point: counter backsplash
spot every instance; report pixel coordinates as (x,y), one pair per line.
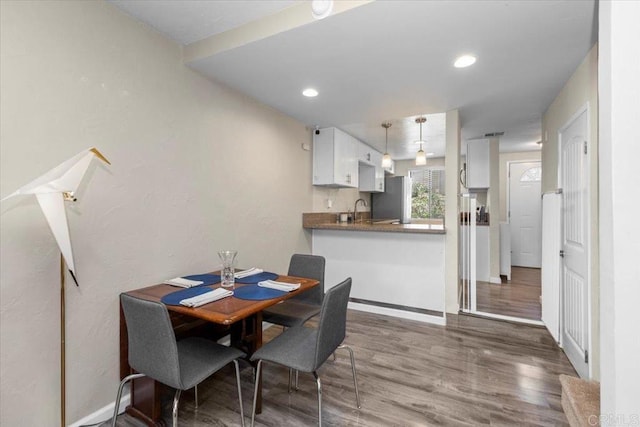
(314,218)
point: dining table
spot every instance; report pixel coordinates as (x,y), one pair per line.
(238,317)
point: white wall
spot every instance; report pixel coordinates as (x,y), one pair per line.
(451,219)
(581,89)
(618,69)
(196,168)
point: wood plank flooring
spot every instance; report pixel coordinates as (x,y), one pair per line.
(520,297)
(474,371)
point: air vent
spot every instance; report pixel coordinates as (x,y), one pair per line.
(489,135)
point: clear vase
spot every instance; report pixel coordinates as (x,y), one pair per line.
(227,273)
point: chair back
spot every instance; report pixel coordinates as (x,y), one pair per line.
(312,267)
(152,343)
(333,321)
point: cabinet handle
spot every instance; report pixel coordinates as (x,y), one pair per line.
(369,157)
(463,176)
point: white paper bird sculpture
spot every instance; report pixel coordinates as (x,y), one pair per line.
(52,189)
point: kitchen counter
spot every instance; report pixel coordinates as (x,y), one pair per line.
(327,221)
(397,269)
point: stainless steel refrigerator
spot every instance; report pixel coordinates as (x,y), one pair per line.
(395,202)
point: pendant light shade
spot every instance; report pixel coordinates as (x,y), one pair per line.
(386,161)
(386,158)
(421,157)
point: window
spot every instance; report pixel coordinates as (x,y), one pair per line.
(533,174)
(427,193)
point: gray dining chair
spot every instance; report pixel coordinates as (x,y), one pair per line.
(305,349)
(155,353)
(302,307)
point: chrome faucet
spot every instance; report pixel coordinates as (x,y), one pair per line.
(355,209)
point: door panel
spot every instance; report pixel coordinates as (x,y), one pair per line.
(525,206)
(575,282)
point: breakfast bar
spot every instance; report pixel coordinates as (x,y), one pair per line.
(397,269)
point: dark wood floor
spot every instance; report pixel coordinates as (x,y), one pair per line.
(474,371)
(519,297)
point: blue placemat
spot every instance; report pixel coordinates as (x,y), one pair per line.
(208,279)
(258,278)
(255,292)
(174,298)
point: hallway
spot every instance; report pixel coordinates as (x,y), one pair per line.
(520,297)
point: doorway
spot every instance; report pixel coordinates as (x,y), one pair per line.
(525,213)
(576,295)
(519,298)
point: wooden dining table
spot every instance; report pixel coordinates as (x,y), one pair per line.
(240,318)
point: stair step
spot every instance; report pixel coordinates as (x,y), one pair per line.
(580,401)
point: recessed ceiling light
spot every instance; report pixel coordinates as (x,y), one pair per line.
(310,92)
(464,61)
(320,9)
(431,154)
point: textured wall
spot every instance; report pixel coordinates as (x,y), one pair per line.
(196,168)
(579,91)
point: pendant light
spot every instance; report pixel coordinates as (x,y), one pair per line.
(386,158)
(421,157)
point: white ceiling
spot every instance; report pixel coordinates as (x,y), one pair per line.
(392,61)
(187,21)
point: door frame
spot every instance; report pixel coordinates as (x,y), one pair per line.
(509,191)
(584,109)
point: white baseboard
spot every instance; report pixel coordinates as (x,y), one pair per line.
(509,318)
(106,412)
(398,313)
(496,280)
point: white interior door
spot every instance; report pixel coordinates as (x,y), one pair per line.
(525,217)
(575,279)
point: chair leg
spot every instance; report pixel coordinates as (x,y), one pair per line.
(353,369)
(255,392)
(119,396)
(174,415)
(235,362)
(315,374)
(290,377)
(297,372)
(195,389)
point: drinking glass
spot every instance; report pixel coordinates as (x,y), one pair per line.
(227,274)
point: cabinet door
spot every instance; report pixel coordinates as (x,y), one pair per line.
(323,157)
(477,164)
(379,172)
(371,175)
(345,159)
(365,153)
(366,177)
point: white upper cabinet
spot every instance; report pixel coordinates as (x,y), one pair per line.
(477,172)
(379,185)
(370,172)
(365,153)
(335,158)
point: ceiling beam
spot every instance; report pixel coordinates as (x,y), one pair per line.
(285,20)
